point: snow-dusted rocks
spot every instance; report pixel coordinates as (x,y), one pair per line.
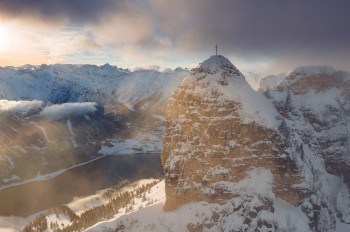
(224,172)
(234,159)
(218,77)
(314,103)
(220,134)
(286,151)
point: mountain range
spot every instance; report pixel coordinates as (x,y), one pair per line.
(234,159)
(55,117)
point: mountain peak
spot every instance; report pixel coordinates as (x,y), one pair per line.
(215,69)
(218,79)
(217,63)
(313,70)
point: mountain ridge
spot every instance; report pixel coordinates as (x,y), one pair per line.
(241,160)
(279,178)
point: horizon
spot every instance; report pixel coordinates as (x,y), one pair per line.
(252,78)
(262,38)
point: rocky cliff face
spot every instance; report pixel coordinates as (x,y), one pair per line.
(225,143)
(314,104)
(317,100)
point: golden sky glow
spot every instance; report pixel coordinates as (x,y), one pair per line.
(5,38)
(20,45)
(175,33)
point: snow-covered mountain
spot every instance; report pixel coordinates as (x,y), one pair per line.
(55,117)
(315,105)
(234,159)
(63,83)
(239,160)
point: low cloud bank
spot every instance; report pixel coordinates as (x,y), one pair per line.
(19,106)
(57,112)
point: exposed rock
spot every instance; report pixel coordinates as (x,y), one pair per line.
(225,143)
(315,104)
(208,145)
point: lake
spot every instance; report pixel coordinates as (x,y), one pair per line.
(30,198)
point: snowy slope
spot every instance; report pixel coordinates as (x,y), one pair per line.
(279,158)
(201,215)
(81,212)
(156,195)
(218,74)
(142,84)
(80,205)
(314,104)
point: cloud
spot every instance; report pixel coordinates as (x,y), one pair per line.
(307,32)
(251,28)
(127,26)
(179,31)
(19,106)
(77,11)
(61,31)
(57,112)
(311,32)
(34,43)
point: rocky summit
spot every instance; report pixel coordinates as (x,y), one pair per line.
(228,144)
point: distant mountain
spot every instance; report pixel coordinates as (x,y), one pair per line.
(54,117)
(63,83)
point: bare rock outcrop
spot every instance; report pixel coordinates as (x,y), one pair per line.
(215,136)
(252,152)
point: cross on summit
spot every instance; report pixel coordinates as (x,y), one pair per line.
(216,49)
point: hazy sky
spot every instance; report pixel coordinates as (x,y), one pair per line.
(262,36)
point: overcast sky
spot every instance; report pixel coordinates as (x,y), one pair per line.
(264,37)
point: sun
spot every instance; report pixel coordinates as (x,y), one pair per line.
(6,37)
